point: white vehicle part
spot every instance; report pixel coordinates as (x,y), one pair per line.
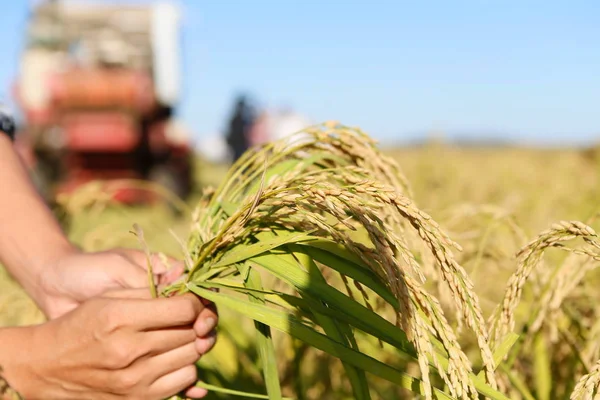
(288,126)
(166,52)
(177,133)
(36,66)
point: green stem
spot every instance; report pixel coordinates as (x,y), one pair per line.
(218,389)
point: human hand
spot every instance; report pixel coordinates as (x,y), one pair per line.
(114,347)
(75,277)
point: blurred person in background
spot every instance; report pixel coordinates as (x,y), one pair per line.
(259,131)
(105,336)
(237,135)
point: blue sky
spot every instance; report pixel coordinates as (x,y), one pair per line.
(524,70)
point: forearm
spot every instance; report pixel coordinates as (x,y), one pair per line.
(30,237)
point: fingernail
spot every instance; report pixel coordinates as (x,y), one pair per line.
(206,342)
(212,338)
(210,323)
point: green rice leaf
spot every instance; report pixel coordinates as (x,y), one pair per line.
(244,252)
(292,303)
(339,332)
(347,309)
(266,348)
(361,317)
(287,322)
(228,207)
(541,369)
(504,348)
(338,250)
(502,351)
(348,268)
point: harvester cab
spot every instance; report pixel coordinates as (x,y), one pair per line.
(98,86)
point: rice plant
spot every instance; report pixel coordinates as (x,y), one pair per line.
(332,208)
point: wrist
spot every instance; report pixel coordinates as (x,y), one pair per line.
(14,363)
(44,285)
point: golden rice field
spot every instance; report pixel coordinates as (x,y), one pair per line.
(523,221)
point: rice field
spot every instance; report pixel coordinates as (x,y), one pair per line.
(522,321)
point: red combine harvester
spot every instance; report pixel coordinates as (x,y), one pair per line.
(98,85)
